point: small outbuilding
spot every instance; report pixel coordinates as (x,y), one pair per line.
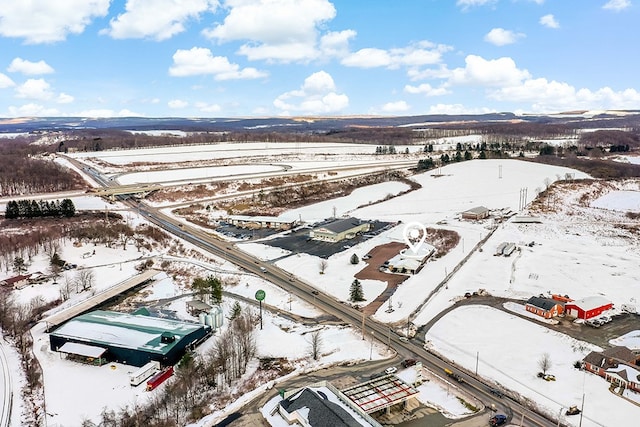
(544,307)
(479,212)
(588,308)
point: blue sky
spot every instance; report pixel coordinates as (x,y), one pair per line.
(244,58)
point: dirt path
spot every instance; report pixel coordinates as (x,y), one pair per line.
(379,255)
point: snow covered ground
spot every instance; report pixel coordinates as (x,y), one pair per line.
(570,255)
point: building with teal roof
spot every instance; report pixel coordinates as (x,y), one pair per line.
(133,339)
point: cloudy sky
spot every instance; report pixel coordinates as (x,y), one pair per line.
(230,58)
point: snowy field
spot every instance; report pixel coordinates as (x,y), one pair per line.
(509,350)
(568,256)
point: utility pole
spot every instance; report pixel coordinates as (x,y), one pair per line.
(477,357)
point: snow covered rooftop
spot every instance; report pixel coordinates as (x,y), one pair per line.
(125,330)
(589,303)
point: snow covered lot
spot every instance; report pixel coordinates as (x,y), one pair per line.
(579,249)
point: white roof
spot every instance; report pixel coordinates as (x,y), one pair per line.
(589,303)
(82,349)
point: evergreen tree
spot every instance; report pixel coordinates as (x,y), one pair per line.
(354,259)
(467,155)
(483,155)
(211,286)
(36,212)
(12,211)
(19,265)
(355,292)
(235,311)
(67,208)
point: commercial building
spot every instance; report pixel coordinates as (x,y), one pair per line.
(132,339)
(257,222)
(339,229)
(588,308)
(321,405)
(479,212)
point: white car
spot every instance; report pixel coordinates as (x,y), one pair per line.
(391,370)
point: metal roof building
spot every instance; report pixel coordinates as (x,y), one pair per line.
(129,338)
(380,393)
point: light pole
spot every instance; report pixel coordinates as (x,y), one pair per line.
(371,348)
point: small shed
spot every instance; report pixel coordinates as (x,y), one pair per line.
(544,307)
(588,308)
(479,212)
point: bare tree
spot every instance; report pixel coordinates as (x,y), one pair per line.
(315,345)
(65,288)
(323,264)
(544,363)
(84,280)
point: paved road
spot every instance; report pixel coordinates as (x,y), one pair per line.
(322,301)
(6,393)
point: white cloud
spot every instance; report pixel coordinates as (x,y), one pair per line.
(5,81)
(200,60)
(281,30)
(208,108)
(617,5)
(46,21)
(457,109)
(336,43)
(368,58)
(64,98)
(107,113)
(426,89)
(499,72)
(442,72)
(31,110)
(466,4)
(34,89)
(19,65)
(546,96)
(395,107)
(549,21)
(316,96)
(501,37)
(157,19)
(177,104)
(421,53)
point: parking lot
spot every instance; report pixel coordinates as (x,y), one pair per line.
(298,241)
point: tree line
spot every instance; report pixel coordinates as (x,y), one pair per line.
(42,208)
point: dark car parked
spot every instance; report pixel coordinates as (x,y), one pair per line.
(408,362)
(498,420)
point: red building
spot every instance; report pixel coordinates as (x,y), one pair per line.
(544,307)
(587,308)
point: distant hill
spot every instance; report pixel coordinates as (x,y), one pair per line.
(579,119)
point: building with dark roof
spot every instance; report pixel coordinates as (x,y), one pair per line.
(131,339)
(544,307)
(618,365)
(340,229)
(322,405)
